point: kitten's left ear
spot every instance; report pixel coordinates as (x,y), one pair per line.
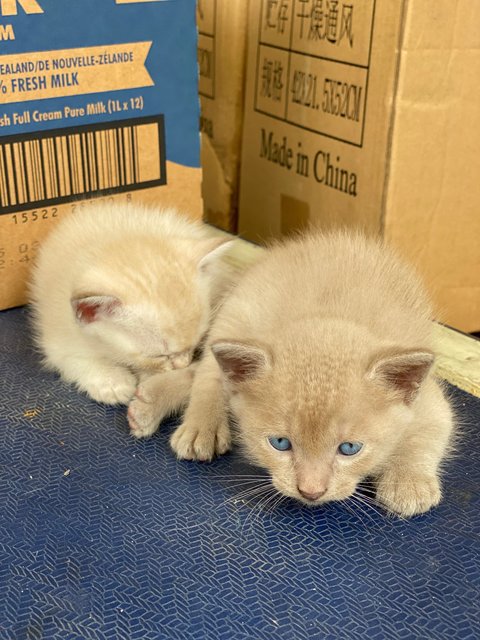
(239,361)
(403,372)
(87,309)
(211,250)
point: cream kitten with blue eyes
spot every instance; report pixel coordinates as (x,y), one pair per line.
(323,354)
(119,291)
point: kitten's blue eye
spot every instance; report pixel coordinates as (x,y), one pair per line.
(281,444)
(349,448)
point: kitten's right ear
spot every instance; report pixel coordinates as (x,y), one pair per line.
(211,250)
(90,308)
(241,362)
(402,372)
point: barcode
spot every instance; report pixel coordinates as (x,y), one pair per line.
(51,167)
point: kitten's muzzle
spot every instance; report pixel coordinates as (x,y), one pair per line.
(312,497)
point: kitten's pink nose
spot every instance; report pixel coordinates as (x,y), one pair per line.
(310,495)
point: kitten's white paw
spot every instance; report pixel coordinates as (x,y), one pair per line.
(114,386)
(192,442)
(157,397)
(144,415)
(407,494)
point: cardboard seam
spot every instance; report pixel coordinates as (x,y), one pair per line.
(235,204)
(391,126)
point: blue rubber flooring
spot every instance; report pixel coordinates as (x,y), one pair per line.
(103,537)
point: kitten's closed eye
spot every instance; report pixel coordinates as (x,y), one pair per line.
(183,355)
(164,362)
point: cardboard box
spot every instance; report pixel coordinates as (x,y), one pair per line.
(366,114)
(97,100)
(222,28)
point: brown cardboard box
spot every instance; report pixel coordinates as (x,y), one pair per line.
(367,114)
(81,121)
(222,28)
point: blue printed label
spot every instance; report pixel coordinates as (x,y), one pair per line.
(86,62)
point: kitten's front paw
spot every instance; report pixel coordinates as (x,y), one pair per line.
(115,386)
(144,415)
(192,442)
(408,494)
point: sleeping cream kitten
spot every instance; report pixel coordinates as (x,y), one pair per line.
(119,290)
(323,355)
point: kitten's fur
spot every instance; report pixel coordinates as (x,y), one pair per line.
(118,290)
(328,339)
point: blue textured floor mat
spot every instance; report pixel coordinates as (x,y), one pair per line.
(108,538)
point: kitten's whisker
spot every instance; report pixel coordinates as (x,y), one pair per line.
(246,480)
(361,500)
(365,490)
(249,492)
(366,497)
(241,486)
(245,502)
(260,508)
(245,495)
(347,506)
(276,504)
(268,506)
(240,475)
(360,512)
(250,486)
(256,510)
(368,500)
(263,498)
(347,503)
